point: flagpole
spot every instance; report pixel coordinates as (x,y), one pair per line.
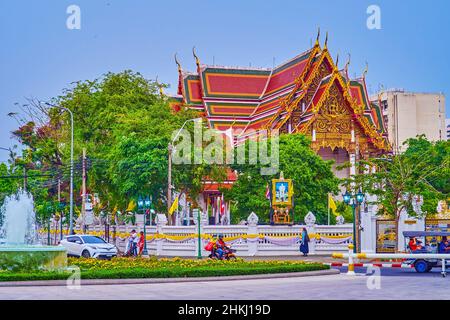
(328,201)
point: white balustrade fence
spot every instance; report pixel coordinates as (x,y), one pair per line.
(249,240)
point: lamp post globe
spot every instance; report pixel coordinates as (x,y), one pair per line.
(346,197)
(140,203)
(360,197)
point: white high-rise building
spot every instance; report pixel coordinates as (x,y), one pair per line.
(447,126)
(408,114)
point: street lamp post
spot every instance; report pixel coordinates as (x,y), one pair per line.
(144,205)
(147,203)
(199,251)
(353,201)
(71,165)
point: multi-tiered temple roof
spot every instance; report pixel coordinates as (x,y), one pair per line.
(303,94)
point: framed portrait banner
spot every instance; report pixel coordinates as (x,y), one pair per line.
(386,236)
(282,192)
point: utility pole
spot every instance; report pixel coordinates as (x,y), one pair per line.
(60,211)
(24,178)
(83,191)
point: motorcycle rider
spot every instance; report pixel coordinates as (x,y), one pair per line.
(220,246)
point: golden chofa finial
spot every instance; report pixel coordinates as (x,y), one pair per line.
(347,64)
(177,62)
(380,93)
(337,61)
(318,36)
(197,60)
(365,70)
(326,41)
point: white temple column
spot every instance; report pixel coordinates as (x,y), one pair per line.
(352,159)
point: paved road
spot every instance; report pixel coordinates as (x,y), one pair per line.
(394,284)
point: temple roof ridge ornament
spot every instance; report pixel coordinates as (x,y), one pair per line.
(177,62)
(318,37)
(336,69)
(346,66)
(366,69)
(197,60)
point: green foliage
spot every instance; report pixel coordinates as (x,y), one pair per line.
(421,171)
(125,126)
(8,186)
(345,211)
(24,261)
(312,179)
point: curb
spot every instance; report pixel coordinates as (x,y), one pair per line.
(365,265)
(39,283)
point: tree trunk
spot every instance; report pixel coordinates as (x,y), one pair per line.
(397,236)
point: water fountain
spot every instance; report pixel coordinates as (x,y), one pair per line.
(19,247)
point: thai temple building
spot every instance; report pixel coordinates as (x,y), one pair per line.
(307,94)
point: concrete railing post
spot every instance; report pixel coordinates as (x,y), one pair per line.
(161,221)
(252,234)
(310,221)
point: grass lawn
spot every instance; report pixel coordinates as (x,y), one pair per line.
(127,268)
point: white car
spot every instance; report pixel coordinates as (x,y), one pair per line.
(87,246)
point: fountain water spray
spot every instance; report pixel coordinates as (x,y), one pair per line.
(22,250)
(18,219)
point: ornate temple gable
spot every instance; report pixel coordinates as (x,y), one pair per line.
(333,123)
(319,66)
(334,115)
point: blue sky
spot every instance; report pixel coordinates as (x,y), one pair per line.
(39,56)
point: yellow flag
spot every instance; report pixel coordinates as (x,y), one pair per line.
(174,206)
(332,204)
(131,206)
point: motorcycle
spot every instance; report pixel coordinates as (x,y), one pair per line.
(228,254)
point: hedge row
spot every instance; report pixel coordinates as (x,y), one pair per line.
(164,272)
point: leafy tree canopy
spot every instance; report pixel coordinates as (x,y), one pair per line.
(312,179)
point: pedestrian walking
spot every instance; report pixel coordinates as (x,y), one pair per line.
(304,248)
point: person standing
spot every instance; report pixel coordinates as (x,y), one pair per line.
(304,248)
(135,243)
(141,242)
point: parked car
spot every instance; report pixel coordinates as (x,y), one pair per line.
(88,246)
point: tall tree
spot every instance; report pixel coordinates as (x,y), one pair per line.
(124,123)
(312,179)
(400,181)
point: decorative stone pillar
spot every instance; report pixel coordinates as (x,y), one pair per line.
(368,224)
(252,234)
(352,159)
(310,221)
(161,221)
